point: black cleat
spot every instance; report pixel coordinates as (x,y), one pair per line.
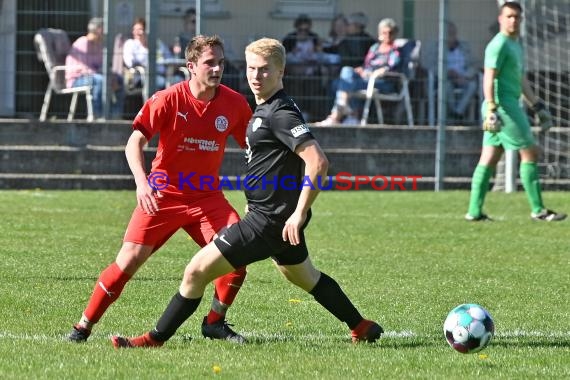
(221,330)
(79,334)
(480,218)
(371,332)
(547,216)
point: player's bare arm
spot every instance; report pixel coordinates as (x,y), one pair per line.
(316,165)
(489,75)
(491,119)
(135,158)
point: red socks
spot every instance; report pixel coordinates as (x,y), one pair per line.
(226,290)
(112,281)
(107,289)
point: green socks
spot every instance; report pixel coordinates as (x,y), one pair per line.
(480,185)
(531,184)
(479,188)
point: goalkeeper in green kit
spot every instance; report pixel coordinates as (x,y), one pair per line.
(505,123)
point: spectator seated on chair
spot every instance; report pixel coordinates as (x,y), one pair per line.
(303,47)
(353,47)
(52,46)
(337,34)
(462,75)
(382,57)
(135,55)
(83,65)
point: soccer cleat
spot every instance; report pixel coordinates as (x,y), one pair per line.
(547,216)
(79,334)
(366,331)
(121,342)
(140,341)
(221,330)
(480,218)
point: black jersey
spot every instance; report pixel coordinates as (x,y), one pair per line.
(275,172)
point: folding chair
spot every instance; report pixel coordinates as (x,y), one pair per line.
(410,53)
(52,46)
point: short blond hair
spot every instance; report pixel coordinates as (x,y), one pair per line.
(270,49)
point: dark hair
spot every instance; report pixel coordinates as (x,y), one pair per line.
(190,12)
(358,18)
(339,16)
(140,20)
(512,4)
(198,43)
(302,19)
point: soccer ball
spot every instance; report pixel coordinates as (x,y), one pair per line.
(468,328)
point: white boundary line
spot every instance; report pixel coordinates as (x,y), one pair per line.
(388,334)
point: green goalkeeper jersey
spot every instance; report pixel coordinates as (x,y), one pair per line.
(505,55)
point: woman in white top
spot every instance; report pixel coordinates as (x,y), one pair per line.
(135,52)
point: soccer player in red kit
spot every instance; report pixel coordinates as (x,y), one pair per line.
(194,119)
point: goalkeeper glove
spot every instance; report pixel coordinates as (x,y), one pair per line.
(492,122)
(544,117)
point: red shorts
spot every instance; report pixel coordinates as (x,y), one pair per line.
(201,219)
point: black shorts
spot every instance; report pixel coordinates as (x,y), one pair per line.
(255,238)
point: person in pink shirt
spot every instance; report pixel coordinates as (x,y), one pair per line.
(83,66)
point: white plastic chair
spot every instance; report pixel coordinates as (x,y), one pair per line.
(410,53)
(52,46)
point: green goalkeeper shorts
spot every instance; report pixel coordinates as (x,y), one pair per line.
(515,133)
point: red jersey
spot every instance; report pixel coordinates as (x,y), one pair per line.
(192,135)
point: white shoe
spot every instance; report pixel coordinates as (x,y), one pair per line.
(548,216)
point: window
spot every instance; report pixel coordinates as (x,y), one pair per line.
(318,9)
(211,8)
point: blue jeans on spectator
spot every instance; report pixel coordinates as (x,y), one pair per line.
(349,81)
(96,83)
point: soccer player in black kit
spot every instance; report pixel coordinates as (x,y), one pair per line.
(279,145)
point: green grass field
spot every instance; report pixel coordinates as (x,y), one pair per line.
(404,258)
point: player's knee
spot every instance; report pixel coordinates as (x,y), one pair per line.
(195,273)
(303,277)
(132,256)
